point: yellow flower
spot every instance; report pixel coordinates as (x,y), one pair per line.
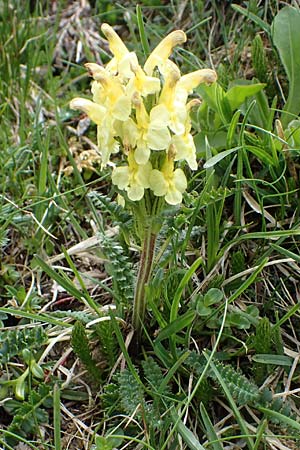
(190,81)
(175,108)
(140,82)
(152,130)
(142,113)
(168,182)
(120,63)
(134,178)
(108,91)
(161,53)
(105,130)
(184,143)
(95,112)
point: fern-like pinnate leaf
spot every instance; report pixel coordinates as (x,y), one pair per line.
(120,268)
(80,345)
(131,394)
(242,389)
(14,341)
(107,341)
(116,212)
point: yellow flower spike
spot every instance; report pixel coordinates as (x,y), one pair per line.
(164,49)
(168,182)
(134,178)
(95,112)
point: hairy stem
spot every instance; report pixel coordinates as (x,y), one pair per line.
(144,274)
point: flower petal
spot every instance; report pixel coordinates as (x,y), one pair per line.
(158,183)
(163,50)
(158,138)
(120,176)
(143,174)
(142,153)
(191,80)
(116,45)
(122,108)
(135,192)
(179,180)
(93,110)
(173,197)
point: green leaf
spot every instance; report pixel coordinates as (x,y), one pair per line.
(213,296)
(235,410)
(177,325)
(236,95)
(186,434)
(278,360)
(203,310)
(281,417)
(261,23)
(294,132)
(286,38)
(209,429)
(217,158)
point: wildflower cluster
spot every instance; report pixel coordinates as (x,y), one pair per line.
(144,113)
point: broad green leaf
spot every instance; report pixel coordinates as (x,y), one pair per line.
(215,97)
(286,38)
(213,296)
(210,94)
(294,133)
(238,94)
(203,310)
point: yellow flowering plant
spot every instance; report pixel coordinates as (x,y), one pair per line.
(144,132)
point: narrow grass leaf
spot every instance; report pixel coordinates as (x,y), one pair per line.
(188,275)
(210,430)
(177,325)
(186,434)
(232,129)
(278,360)
(286,317)
(217,158)
(143,36)
(261,23)
(259,434)
(56,417)
(123,347)
(286,252)
(37,317)
(281,417)
(63,281)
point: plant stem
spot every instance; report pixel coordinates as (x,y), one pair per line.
(144,274)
